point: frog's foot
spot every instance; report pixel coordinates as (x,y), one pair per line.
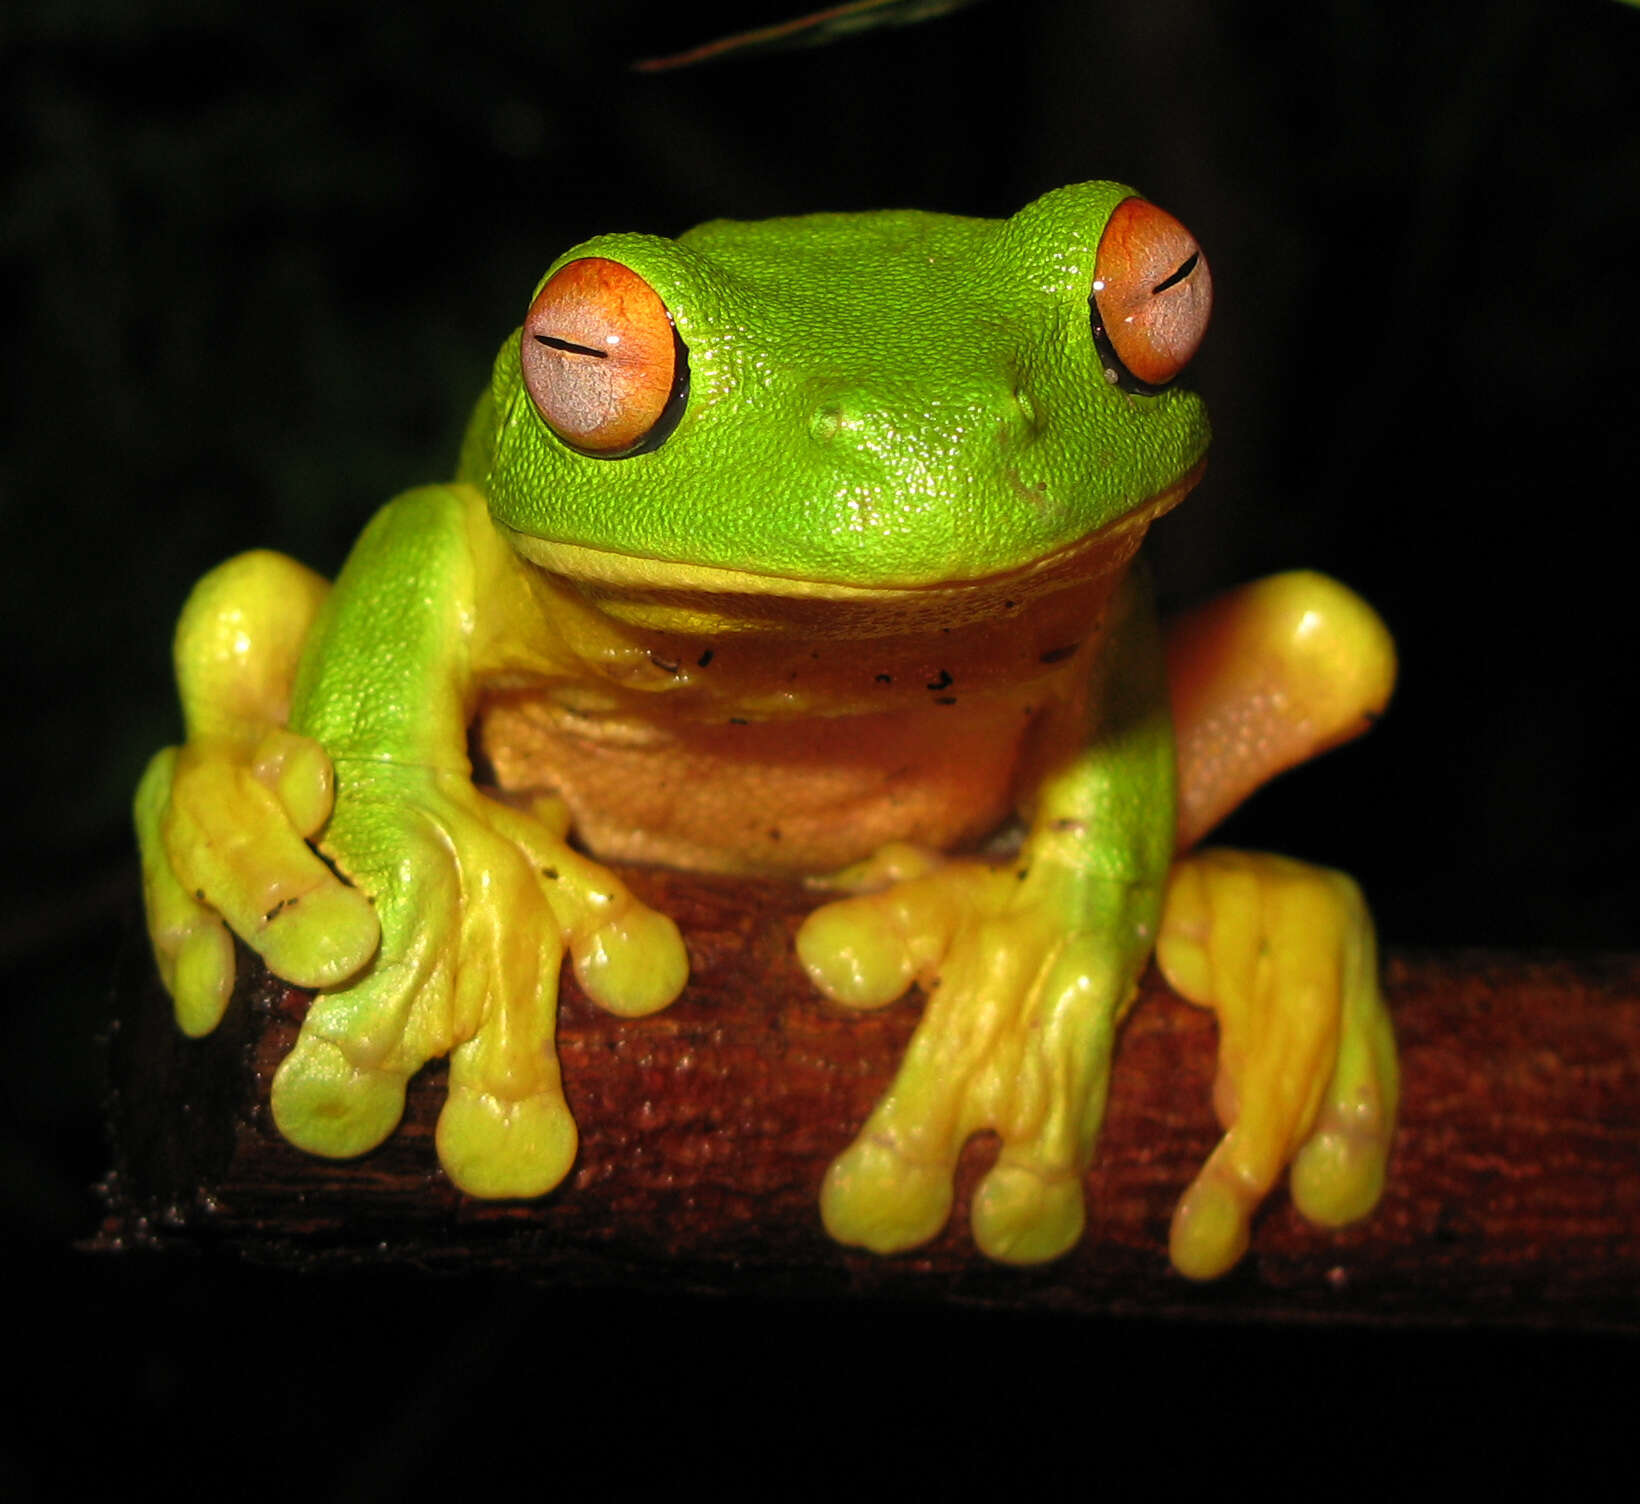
(1016,1037)
(223,821)
(477,902)
(1285,955)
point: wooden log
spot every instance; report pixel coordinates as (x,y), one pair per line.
(1514,1192)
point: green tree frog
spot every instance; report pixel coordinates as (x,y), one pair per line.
(797,548)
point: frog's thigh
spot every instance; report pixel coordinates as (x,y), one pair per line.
(1285,954)
(1263,678)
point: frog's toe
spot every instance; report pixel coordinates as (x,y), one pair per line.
(876,1198)
(321,938)
(1285,954)
(201,979)
(1211,1224)
(1024,1214)
(301,776)
(1338,1176)
(192,946)
(498,1148)
(855,953)
(325,1104)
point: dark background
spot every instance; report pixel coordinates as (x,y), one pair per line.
(254,266)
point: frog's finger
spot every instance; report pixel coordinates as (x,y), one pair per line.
(894,862)
(630,959)
(230,841)
(875,1196)
(340,1091)
(855,954)
(864,952)
(892,1187)
(191,944)
(1030,1206)
(505,1129)
(329,1103)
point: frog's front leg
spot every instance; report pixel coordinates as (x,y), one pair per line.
(477,901)
(339,717)
(1029,967)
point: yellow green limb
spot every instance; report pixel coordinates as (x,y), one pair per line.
(1028,967)
(222,821)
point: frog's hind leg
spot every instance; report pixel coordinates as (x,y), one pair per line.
(222,821)
(1265,677)
(1284,954)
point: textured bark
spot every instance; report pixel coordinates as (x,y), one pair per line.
(1514,1192)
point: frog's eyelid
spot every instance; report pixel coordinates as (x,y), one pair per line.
(553,342)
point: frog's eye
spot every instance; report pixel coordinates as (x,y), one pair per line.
(602,360)
(1152,294)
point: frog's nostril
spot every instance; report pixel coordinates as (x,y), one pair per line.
(1026,406)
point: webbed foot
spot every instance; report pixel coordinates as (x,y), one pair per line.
(1285,954)
(223,821)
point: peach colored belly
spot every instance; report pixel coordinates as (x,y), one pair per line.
(774,798)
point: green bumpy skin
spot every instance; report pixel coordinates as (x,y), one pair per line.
(870,593)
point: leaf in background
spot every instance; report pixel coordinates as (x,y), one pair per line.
(816,30)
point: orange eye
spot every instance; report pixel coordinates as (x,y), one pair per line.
(1152,294)
(602,361)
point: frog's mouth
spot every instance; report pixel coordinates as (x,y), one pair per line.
(669,595)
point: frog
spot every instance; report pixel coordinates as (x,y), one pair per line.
(805,548)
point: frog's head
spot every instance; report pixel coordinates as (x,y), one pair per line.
(878,400)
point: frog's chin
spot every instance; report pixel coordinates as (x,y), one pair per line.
(659,592)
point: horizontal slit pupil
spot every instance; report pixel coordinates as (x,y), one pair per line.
(555,343)
(1178,276)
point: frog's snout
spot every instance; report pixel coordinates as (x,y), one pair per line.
(943,425)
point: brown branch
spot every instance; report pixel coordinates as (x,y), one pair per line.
(1514,1194)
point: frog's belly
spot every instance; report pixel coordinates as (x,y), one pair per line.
(775,798)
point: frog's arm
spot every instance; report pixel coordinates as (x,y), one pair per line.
(1029,967)
(477,901)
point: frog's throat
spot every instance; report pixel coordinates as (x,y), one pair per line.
(671,595)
